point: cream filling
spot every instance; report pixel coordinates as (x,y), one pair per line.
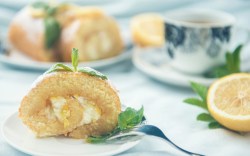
(57,105)
(98,45)
(61,109)
(105,41)
(91,113)
(91,46)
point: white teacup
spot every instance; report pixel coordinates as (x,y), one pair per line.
(197,40)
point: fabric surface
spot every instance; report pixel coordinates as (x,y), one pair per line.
(162,102)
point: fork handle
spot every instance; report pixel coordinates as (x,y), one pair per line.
(155,131)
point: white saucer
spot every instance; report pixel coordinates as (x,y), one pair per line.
(153,62)
(20,137)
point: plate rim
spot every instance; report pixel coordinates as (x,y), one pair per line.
(38,65)
(26,151)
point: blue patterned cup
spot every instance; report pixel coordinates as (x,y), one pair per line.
(197,40)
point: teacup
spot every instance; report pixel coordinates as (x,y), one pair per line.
(197,40)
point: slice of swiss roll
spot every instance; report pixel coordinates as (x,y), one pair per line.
(75,102)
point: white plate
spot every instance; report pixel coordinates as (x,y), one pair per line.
(153,62)
(21,138)
(18,60)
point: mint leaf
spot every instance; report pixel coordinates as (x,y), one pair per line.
(233,60)
(205,117)
(127,120)
(92,72)
(232,65)
(214,125)
(52,31)
(62,67)
(102,138)
(52,26)
(218,71)
(50,11)
(130,118)
(59,67)
(236,56)
(200,89)
(74,58)
(196,102)
(40,5)
(97,139)
(230,61)
(221,71)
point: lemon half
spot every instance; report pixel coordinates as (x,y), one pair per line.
(148,30)
(229,101)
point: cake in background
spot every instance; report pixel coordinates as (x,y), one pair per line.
(48,32)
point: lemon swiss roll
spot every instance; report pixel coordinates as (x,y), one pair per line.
(48,32)
(71,101)
(95,34)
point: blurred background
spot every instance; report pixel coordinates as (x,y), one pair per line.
(124,9)
(163,103)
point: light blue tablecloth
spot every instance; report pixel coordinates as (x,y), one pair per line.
(162,102)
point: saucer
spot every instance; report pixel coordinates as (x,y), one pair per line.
(153,62)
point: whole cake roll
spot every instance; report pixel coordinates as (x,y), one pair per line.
(75,102)
(47,32)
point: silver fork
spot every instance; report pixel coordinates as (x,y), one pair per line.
(141,131)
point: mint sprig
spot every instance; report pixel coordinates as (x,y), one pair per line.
(215,125)
(127,120)
(74,58)
(233,60)
(205,117)
(196,102)
(201,102)
(92,72)
(200,90)
(52,26)
(231,66)
(52,31)
(130,118)
(59,67)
